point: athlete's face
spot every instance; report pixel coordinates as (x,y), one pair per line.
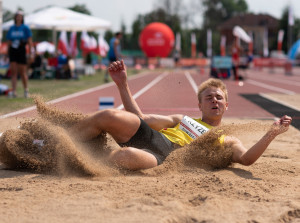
(213,103)
(19,19)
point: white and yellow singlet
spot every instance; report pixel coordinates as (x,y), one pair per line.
(187,130)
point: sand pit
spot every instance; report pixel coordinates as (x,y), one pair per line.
(178,191)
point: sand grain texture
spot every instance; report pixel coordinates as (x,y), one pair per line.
(178,191)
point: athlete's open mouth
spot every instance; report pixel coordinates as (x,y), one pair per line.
(215,108)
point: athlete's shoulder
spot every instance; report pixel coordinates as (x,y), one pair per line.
(25,26)
(203,123)
(12,27)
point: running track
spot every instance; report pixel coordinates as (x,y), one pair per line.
(175,92)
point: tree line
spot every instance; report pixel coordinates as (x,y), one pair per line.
(195,16)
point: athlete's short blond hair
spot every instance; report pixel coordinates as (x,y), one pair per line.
(212,82)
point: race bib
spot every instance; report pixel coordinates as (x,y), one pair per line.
(15,44)
(192,127)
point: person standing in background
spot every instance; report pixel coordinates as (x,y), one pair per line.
(235,59)
(114,53)
(18,36)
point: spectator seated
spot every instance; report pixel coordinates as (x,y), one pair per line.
(50,65)
(220,67)
(36,67)
(65,67)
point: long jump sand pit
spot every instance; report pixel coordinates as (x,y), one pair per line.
(175,192)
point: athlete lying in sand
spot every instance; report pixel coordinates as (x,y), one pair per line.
(147,139)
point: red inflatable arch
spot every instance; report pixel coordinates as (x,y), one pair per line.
(156,40)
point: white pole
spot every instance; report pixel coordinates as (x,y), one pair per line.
(1,13)
(54,33)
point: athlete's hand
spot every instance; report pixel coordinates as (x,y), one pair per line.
(281,125)
(117,71)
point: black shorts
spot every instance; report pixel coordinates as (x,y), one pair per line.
(18,55)
(150,141)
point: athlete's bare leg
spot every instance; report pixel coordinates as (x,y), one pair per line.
(14,76)
(121,125)
(132,158)
(22,71)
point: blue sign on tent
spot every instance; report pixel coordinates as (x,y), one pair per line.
(222,62)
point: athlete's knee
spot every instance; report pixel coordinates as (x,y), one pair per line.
(108,114)
(133,159)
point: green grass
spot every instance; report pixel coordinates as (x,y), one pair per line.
(50,89)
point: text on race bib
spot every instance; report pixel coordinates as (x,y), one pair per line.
(192,127)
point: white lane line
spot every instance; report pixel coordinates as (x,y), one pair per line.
(279,101)
(192,82)
(147,87)
(80,93)
(290,82)
(92,89)
(58,100)
(17,112)
(270,87)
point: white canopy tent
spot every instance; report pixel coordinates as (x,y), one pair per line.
(57,19)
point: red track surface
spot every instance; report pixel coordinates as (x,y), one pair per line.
(175,94)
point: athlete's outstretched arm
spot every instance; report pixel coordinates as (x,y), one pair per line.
(247,157)
(117,71)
